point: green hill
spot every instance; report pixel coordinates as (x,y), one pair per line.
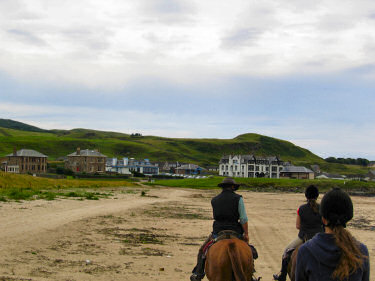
(11,124)
(58,143)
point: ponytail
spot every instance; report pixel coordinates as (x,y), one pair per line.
(351,257)
(314,206)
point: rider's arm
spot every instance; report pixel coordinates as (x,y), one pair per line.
(243,218)
(298,221)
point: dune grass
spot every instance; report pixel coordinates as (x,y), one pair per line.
(22,187)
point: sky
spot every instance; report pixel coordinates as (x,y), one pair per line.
(297,70)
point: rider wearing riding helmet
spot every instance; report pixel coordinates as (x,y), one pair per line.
(334,254)
(308,223)
(229,214)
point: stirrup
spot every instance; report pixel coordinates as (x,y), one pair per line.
(279,277)
(196,277)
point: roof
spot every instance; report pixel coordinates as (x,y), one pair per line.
(188,167)
(295,169)
(87,152)
(28,153)
(329,176)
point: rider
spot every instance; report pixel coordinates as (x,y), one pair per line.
(334,254)
(229,214)
(308,223)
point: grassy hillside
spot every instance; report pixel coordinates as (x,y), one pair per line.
(58,143)
(11,124)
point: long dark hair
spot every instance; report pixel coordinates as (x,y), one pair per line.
(351,256)
(313,205)
(337,208)
(311,194)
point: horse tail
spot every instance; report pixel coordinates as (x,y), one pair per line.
(234,256)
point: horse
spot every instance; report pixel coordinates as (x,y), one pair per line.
(229,259)
(292,264)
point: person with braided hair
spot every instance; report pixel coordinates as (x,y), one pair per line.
(334,255)
(308,222)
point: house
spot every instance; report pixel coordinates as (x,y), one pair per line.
(296,172)
(329,176)
(189,169)
(25,161)
(371,164)
(250,166)
(118,166)
(168,167)
(143,166)
(213,168)
(370,175)
(86,161)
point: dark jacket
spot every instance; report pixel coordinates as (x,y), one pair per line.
(318,258)
(225,211)
(311,222)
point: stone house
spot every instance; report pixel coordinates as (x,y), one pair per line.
(296,172)
(25,161)
(86,161)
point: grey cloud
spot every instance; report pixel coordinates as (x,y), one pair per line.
(26,37)
(335,23)
(169,11)
(92,37)
(17,10)
(241,38)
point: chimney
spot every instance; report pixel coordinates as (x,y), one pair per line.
(14,151)
(78,151)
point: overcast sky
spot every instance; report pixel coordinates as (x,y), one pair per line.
(298,70)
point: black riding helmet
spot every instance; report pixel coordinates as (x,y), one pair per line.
(336,207)
(312,192)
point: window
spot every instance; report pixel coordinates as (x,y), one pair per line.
(274,168)
(257,168)
(250,174)
(251,167)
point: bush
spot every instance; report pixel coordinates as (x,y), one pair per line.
(138,174)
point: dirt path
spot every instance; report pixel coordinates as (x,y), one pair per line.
(134,237)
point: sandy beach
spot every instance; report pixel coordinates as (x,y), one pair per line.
(153,237)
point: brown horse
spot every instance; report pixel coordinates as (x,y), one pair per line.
(292,265)
(229,259)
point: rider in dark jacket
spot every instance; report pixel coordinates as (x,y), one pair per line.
(334,255)
(229,214)
(309,222)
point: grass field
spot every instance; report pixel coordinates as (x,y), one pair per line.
(20,187)
(265,184)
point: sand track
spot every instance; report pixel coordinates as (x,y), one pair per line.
(134,237)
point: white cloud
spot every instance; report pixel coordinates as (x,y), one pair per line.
(108,44)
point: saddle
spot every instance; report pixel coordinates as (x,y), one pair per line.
(228,234)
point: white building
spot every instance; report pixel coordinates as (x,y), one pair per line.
(143,166)
(119,166)
(126,166)
(250,166)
